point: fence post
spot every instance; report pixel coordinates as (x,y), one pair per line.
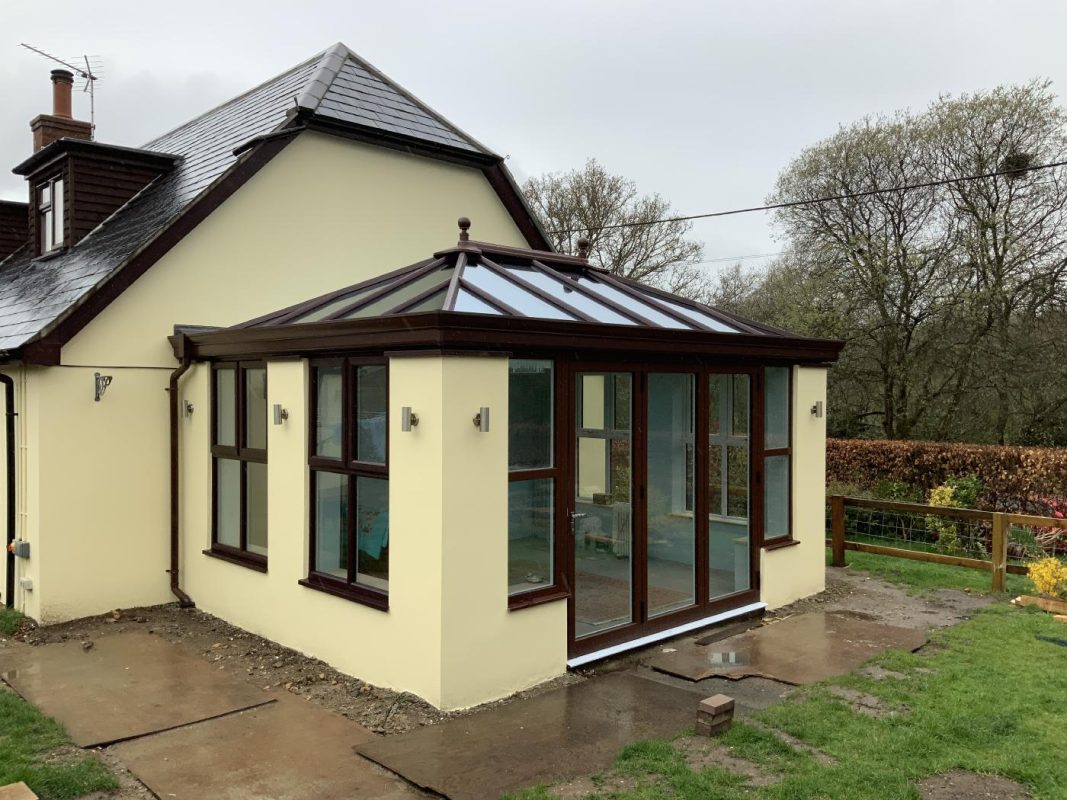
(837,530)
(999,550)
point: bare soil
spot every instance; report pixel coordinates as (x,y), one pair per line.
(961,784)
(701,752)
(858,593)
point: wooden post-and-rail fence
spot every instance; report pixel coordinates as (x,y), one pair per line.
(997,564)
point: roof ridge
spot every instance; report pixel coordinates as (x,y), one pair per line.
(418,102)
(235,98)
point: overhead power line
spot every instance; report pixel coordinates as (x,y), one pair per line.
(817,200)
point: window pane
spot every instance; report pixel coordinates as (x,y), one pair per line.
(255,408)
(45,196)
(225,407)
(372,532)
(715,479)
(776,405)
(776,497)
(469,304)
(530,514)
(57,214)
(593,402)
(622,386)
(46,231)
(371,393)
(405,290)
(717,402)
(328,411)
(671,566)
(522,300)
(737,481)
(553,288)
(256,507)
(529,414)
(609,292)
(739,403)
(331,524)
(228,502)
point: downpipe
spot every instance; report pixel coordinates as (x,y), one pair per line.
(9,440)
(184,600)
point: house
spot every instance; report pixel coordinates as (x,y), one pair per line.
(458,469)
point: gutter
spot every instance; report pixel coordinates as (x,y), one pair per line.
(9,439)
(184,600)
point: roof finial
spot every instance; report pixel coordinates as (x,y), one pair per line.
(464,226)
(584,246)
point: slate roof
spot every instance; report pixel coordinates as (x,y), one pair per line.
(335,85)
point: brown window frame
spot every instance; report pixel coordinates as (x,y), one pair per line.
(47,212)
(241,453)
(346,465)
(558,588)
(764,452)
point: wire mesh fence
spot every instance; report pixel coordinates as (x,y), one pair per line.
(987,540)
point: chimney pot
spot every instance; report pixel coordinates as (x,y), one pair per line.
(62,81)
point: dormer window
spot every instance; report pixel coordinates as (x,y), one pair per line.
(50,215)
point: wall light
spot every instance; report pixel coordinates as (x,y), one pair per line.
(187,408)
(481,419)
(101,382)
(816,410)
(280,414)
(408,419)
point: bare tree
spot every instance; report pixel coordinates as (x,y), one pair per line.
(608,210)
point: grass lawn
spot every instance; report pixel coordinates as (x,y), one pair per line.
(987,695)
(923,576)
(28,744)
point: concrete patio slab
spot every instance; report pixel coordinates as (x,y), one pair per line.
(560,734)
(798,650)
(287,750)
(125,685)
(16,791)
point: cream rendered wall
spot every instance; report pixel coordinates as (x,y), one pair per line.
(325,213)
(790,573)
(488,651)
(448,635)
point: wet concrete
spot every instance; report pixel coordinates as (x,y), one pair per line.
(287,750)
(799,650)
(561,734)
(751,694)
(123,686)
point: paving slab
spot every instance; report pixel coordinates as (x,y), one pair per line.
(798,650)
(561,734)
(16,791)
(288,750)
(125,685)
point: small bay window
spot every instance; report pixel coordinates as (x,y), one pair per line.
(50,213)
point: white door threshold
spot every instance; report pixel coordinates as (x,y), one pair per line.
(667,634)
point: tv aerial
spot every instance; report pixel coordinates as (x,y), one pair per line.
(88,74)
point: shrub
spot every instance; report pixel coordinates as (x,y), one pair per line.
(1049,576)
(1012,476)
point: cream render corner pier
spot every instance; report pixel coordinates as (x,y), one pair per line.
(494,463)
(456,478)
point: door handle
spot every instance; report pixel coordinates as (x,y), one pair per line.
(577,515)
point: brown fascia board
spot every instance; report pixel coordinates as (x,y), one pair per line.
(62,148)
(458,331)
(46,349)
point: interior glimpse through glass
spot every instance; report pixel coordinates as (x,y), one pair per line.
(371,400)
(671,564)
(372,532)
(602,518)
(729,528)
(328,394)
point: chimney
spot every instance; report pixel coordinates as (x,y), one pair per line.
(47,128)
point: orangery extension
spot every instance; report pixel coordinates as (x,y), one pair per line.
(473,467)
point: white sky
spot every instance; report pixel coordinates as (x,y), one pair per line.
(703,102)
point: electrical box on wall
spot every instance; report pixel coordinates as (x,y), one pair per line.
(26,584)
(20,548)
